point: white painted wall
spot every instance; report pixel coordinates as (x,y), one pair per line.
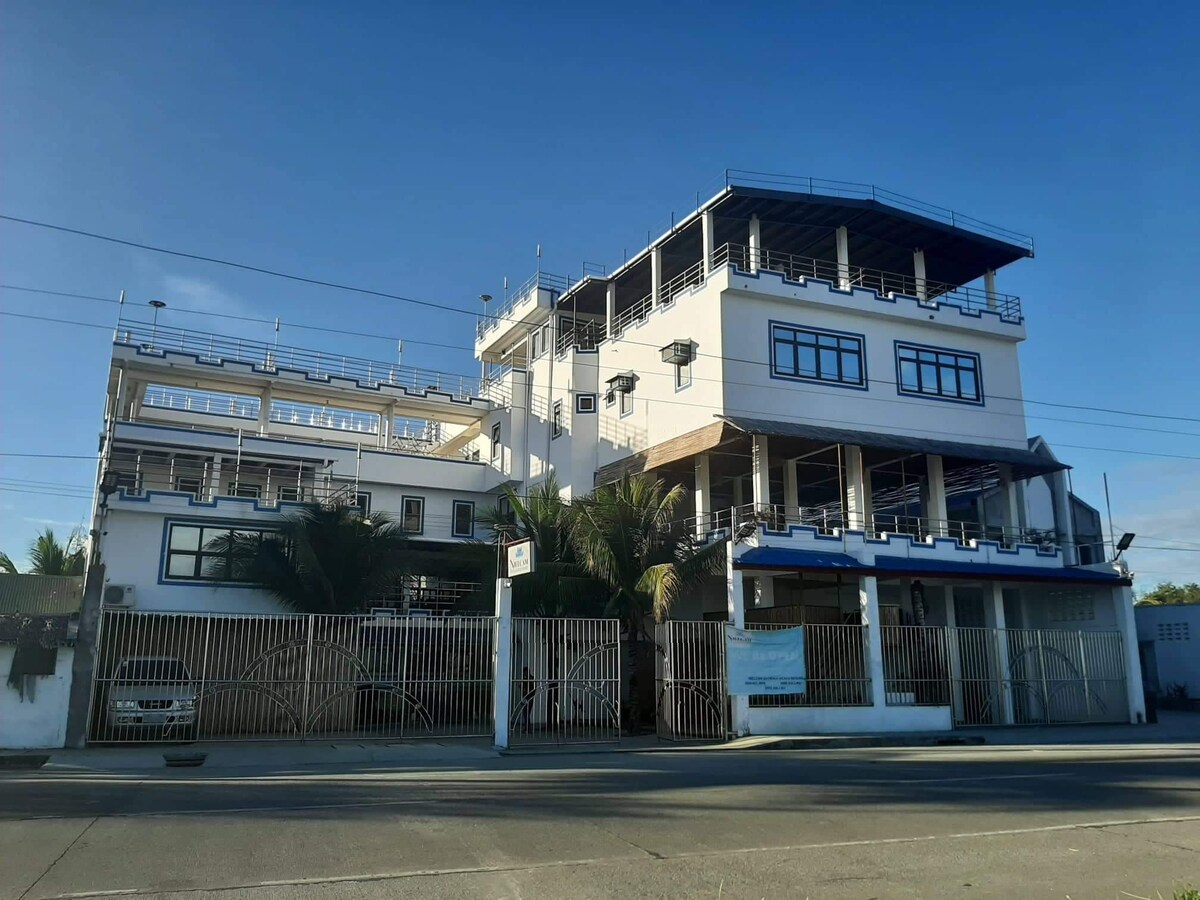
(40,722)
(1175,633)
(848,719)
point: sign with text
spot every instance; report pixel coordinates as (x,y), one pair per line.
(765,662)
(520,558)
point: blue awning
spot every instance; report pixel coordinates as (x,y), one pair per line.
(808,560)
(902,565)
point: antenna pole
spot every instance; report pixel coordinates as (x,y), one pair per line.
(1108,503)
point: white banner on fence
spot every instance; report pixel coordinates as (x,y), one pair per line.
(765,662)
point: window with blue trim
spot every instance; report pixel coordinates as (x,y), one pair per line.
(210,552)
(463,524)
(938,372)
(809,354)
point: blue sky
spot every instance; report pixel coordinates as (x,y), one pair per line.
(426,152)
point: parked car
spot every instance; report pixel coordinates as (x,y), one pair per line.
(151,692)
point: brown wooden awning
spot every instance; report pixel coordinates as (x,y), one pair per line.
(667,452)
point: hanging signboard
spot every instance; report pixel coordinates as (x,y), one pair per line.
(765,662)
(520,558)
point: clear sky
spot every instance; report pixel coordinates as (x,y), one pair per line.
(427,151)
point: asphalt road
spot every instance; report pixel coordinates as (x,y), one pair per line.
(947,822)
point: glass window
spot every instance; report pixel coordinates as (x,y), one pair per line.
(496,441)
(206,553)
(683,376)
(464,519)
(812,355)
(626,402)
(412,518)
(934,372)
(289,492)
(245,489)
(556,419)
(585,403)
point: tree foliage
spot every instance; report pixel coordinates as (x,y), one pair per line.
(49,556)
(1170,594)
(323,560)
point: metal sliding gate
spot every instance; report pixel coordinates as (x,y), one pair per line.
(566,681)
(693,702)
(170,677)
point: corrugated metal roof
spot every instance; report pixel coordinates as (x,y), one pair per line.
(41,594)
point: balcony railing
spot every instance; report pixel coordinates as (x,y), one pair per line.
(690,277)
(582,334)
(491,320)
(270,357)
(831,519)
(929,293)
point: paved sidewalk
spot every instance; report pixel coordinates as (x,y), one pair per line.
(1173,730)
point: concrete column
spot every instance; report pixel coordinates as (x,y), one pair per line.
(264,411)
(989,288)
(738,494)
(1122,598)
(656,276)
(919,274)
(936,511)
(707,224)
(843,257)
(993,611)
(137,390)
(760,472)
(858,490)
(1063,526)
(791,490)
(702,493)
(502,661)
(214,478)
(755,244)
(868,602)
(1012,503)
(764,591)
(610,306)
(956,685)
(736,603)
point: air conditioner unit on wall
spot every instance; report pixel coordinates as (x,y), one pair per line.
(119,595)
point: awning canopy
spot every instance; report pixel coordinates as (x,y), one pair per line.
(798,560)
(1026,463)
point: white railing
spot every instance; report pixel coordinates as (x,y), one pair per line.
(272,358)
(541,280)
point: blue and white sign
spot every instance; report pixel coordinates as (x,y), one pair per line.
(765,662)
(520,558)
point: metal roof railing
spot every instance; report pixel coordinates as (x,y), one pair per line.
(823,187)
(557,283)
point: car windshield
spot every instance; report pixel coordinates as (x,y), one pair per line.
(153,670)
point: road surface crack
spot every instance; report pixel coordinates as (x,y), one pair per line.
(58,858)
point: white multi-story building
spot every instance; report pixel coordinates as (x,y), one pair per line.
(830,370)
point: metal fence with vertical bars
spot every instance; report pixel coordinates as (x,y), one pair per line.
(690,681)
(173,676)
(835,665)
(566,681)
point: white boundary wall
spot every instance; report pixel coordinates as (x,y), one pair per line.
(40,722)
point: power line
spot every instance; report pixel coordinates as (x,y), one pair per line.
(789,389)
(460,311)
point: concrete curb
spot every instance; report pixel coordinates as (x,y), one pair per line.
(832,742)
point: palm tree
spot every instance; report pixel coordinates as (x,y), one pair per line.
(49,557)
(628,536)
(558,586)
(323,560)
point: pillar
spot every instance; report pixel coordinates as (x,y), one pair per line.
(656,296)
(858,489)
(989,288)
(755,245)
(843,257)
(610,306)
(502,661)
(868,602)
(702,493)
(1012,503)
(935,513)
(993,611)
(760,472)
(707,224)
(791,490)
(736,603)
(214,483)
(956,671)
(1122,598)
(919,274)
(264,411)
(1064,527)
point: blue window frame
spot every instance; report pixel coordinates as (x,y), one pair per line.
(412,515)
(556,420)
(812,354)
(200,551)
(938,373)
(585,403)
